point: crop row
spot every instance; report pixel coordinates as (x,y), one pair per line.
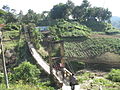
(92,47)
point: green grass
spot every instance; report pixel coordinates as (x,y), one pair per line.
(19,87)
(83,77)
(96,82)
(13,34)
(24,87)
(7,42)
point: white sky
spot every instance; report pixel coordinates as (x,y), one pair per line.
(45,5)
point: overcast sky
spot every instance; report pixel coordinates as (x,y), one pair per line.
(45,5)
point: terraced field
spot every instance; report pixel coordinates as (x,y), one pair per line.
(92,47)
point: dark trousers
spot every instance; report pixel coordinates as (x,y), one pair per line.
(62,72)
(72,86)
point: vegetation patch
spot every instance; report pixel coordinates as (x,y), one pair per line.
(114,75)
(67,29)
(26,72)
(91,47)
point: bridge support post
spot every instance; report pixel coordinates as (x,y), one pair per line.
(50,58)
(62,52)
(50,62)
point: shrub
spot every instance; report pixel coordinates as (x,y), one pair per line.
(77,65)
(113,31)
(84,77)
(26,72)
(2,20)
(114,75)
(1,77)
(11,26)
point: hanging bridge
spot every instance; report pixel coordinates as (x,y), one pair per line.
(46,68)
(56,74)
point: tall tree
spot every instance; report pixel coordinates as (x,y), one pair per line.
(62,11)
(20,16)
(99,14)
(10,17)
(10,14)
(79,12)
(30,17)
(59,11)
(70,7)
(6,8)
(85,4)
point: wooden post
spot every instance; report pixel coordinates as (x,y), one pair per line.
(62,52)
(50,62)
(4,64)
(50,58)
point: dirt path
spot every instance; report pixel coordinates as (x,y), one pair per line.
(104,36)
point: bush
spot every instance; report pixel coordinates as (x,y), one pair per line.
(96,26)
(77,65)
(113,31)
(114,75)
(2,20)
(26,72)
(11,26)
(1,77)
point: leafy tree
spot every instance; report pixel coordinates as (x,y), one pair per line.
(62,11)
(85,4)
(44,15)
(70,7)
(20,16)
(6,8)
(9,14)
(31,17)
(79,12)
(26,72)
(85,12)
(58,11)
(2,14)
(13,11)
(10,17)
(102,14)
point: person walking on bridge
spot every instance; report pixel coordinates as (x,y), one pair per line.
(62,70)
(73,82)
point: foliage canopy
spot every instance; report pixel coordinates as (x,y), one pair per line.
(67,29)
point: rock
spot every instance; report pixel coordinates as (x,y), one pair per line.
(8,53)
